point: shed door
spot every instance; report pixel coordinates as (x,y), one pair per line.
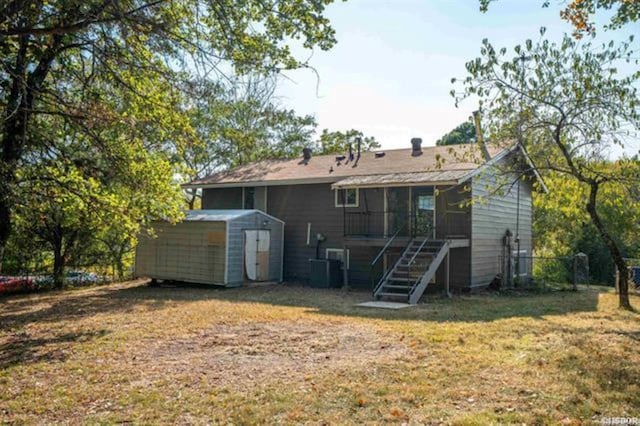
(256,254)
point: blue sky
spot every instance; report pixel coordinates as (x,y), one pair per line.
(390,73)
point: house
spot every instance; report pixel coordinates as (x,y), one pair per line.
(398,220)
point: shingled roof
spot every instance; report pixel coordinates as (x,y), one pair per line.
(434,164)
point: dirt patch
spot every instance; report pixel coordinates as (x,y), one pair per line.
(236,355)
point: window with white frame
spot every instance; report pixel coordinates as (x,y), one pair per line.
(348,197)
(520,264)
(337,254)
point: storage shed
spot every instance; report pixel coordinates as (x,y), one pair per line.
(220,247)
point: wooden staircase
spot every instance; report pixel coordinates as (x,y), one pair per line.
(407,280)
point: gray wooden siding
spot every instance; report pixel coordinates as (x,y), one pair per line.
(260,198)
(298,205)
(492,214)
(182,252)
(221,198)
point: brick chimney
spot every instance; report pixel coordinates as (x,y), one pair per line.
(416,147)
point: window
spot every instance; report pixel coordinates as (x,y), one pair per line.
(523,269)
(248,196)
(337,254)
(347,197)
(425,202)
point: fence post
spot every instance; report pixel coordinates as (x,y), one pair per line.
(575,272)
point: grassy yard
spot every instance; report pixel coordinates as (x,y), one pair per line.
(131,353)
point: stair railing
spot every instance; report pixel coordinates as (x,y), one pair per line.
(379,256)
(444,246)
(413,258)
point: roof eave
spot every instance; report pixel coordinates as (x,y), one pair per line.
(301,181)
(396,184)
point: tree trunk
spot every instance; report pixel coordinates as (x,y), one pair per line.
(120,266)
(58,265)
(623,283)
(1,257)
(191,198)
(19,104)
(15,116)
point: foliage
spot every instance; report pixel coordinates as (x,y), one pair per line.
(238,122)
(563,229)
(579,12)
(91,96)
(91,88)
(568,105)
(463,133)
(335,142)
(82,193)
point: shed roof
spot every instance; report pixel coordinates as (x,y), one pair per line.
(215,215)
(222,215)
(433,161)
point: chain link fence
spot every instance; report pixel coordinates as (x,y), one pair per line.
(560,272)
(634,273)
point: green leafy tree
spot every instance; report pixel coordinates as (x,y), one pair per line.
(58,56)
(464,133)
(79,180)
(567,104)
(337,142)
(561,229)
(236,123)
(579,13)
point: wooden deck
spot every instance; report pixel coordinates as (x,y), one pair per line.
(357,241)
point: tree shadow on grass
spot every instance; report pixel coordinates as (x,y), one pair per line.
(598,370)
(21,349)
(54,306)
(127,298)
(481,307)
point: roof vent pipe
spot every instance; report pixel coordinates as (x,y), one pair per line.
(479,136)
(306,153)
(416,146)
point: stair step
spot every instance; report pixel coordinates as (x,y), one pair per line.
(421,253)
(406,280)
(418,258)
(414,265)
(396,278)
(405,273)
(393,295)
(396,291)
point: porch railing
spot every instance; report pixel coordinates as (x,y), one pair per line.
(364,224)
(372,224)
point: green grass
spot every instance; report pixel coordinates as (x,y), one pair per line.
(131,353)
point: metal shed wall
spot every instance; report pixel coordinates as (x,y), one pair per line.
(183,252)
(235,245)
(208,252)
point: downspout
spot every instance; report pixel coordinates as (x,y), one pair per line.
(518,234)
(344,212)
